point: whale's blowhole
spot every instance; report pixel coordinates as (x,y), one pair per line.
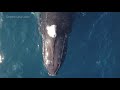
(51,30)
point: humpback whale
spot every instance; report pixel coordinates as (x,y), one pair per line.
(55,28)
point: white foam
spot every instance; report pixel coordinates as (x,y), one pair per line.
(51,74)
(47,62)
(51,30)
(47,54)
(1,58)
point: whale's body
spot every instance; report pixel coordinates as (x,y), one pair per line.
(55,27)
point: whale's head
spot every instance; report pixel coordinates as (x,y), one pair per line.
(53,49)
(54,27)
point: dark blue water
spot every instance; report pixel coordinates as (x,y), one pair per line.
(93,47)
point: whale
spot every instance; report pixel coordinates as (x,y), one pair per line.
(55,28)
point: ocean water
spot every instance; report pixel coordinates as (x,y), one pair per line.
(93,46)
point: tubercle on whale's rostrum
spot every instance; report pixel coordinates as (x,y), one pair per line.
(55,27)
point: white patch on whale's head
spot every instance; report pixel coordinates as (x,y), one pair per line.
(51,30)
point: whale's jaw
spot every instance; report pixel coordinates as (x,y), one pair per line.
(53,50)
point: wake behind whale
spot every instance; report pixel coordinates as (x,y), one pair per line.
(55,28)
